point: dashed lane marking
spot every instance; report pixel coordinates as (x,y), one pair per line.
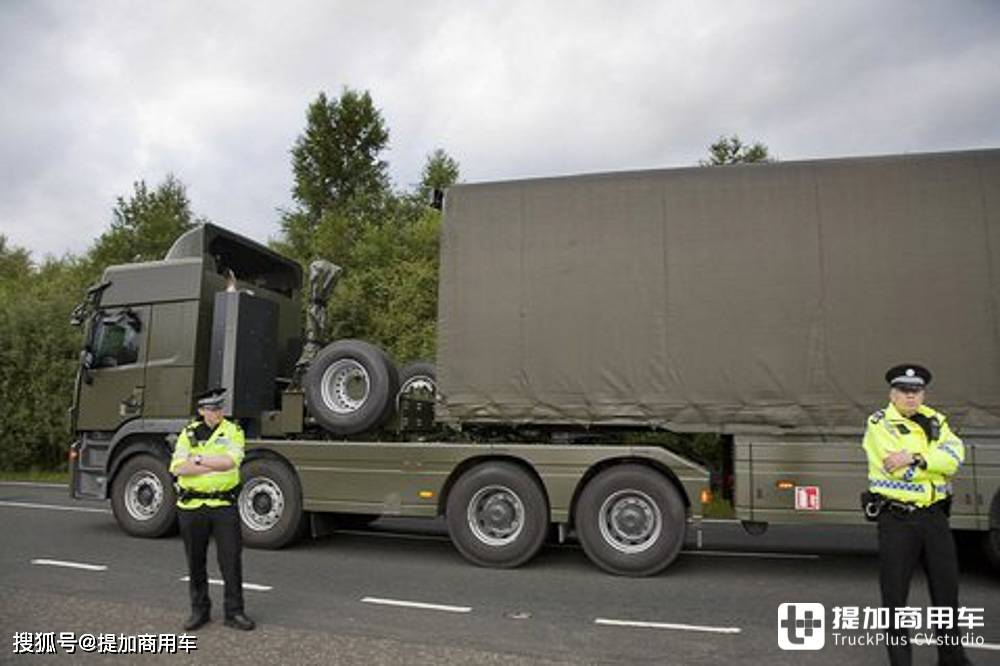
(416,604)
(246,586)
(53,507)
(667,625)
(71,565)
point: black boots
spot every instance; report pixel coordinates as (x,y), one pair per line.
(240,621)
(197,620)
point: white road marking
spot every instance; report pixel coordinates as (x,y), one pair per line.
(34,484)
(71,565)
(246,586)
(966,643)
(667,625)
(736,553)
(416,604)
(53,507)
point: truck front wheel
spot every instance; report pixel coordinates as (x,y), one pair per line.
(630,520)
(497,515)
(270,505)
(143,499)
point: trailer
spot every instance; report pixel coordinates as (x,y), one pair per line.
(577,317)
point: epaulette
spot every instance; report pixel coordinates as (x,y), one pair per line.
(876,416)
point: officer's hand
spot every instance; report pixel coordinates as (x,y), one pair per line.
(896,460)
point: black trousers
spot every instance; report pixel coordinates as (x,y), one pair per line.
(905,539)
(197,525)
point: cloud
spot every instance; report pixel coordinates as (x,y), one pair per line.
(97,95)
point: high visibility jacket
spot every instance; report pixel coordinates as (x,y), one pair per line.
(887,430)
(226,439)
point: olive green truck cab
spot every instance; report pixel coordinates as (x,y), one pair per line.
(576,316)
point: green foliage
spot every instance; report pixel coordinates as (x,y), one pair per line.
(145,225)
(440,172)
(38,354)
(732,150)
(39,350)
(337,168)
(347,212)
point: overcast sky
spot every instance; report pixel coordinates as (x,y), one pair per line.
(95,95)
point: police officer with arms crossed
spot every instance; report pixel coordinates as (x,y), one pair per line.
(206,462)
(912,455)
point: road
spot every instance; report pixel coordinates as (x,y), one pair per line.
(342,598)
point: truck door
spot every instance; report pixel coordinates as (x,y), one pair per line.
(115,361)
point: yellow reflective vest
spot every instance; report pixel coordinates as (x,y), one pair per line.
(226,439)
(887,431)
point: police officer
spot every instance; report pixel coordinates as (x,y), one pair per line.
(206,462)
(912,455)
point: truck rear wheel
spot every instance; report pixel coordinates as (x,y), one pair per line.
(350,387)
(630,520)
(497,515)
(270,505)
(991,547)
(143,499)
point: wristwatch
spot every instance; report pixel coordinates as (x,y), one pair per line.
(197,459)
(919,461)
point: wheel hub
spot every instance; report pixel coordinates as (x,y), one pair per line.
(630,521)
(261,504)
(143,495)
(345,386)
(496,515)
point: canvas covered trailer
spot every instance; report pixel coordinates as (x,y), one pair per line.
(733,299)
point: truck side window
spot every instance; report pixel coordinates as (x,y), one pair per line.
(116,342)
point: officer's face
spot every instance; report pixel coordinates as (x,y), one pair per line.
(211,415)
(906,401)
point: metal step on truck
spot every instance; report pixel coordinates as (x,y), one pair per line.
(578,318)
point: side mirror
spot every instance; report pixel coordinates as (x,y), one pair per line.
(86,365)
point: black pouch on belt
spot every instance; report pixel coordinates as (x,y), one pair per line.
(871,504)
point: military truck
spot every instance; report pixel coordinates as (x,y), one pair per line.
(577,317)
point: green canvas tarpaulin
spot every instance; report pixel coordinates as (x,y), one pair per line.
(723,298)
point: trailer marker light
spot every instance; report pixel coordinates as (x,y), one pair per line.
(784,484)
(426,494)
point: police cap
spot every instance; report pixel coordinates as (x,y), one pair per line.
(908,375)
(211,398)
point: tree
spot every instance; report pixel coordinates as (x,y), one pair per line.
(337,158)
(144,226)
(732,150)
(15,262)
(440,172)
(347,212)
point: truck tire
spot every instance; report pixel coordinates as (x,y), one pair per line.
(350,387)
(143,499)
(991,547)
(270,505)
(497,515)
(991,538)
(419,377)
(630,520)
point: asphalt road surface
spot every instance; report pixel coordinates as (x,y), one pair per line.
(399,593)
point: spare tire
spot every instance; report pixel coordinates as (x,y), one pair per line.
(419,380)
(350,387)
